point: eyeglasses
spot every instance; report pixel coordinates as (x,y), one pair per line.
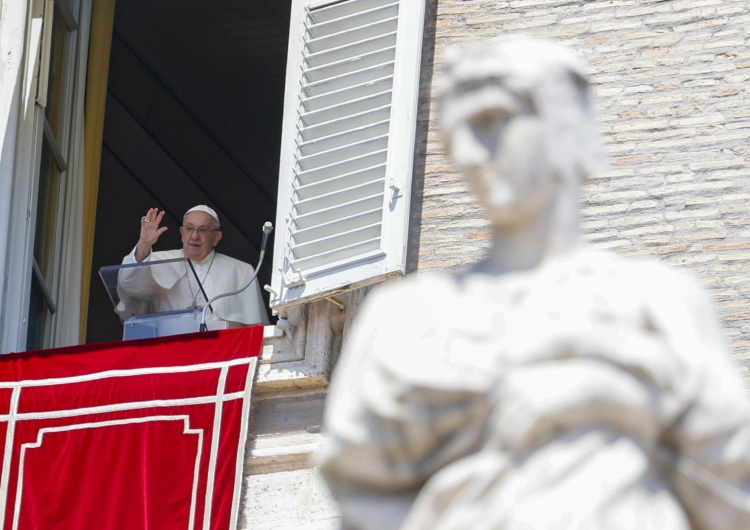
(202,232)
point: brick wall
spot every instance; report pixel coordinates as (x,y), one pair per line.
(670,78)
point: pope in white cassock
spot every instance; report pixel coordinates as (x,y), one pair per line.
(171,288)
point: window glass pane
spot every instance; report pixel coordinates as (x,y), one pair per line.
(56,83)
(38,315)
(49,190)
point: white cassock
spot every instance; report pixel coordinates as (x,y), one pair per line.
(174,287)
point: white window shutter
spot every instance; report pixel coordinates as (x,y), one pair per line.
(347,147)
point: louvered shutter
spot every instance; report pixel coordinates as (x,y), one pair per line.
(347,146)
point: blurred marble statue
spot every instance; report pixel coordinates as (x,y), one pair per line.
(551,386)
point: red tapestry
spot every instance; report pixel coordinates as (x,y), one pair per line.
(145,434)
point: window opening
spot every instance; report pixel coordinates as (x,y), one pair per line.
(193,116)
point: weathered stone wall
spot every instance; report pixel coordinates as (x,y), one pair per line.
(671,81)
(282,489)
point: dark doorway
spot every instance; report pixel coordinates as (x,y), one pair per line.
(193,116)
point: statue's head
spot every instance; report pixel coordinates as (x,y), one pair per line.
(517,119)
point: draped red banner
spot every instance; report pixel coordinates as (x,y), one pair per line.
(145,434)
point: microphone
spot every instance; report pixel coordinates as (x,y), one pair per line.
(267,229)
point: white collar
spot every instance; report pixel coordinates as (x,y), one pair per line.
(205,261)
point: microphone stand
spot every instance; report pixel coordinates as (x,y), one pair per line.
(267,228)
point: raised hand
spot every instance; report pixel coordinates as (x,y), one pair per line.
(150,232)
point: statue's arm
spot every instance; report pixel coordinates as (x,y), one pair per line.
(391,426)
(711,438)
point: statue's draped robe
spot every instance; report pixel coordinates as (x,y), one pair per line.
(589,393)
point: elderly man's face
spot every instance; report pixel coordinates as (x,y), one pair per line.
(197,246)
(500,146)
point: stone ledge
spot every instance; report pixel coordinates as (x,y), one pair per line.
(281,452)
